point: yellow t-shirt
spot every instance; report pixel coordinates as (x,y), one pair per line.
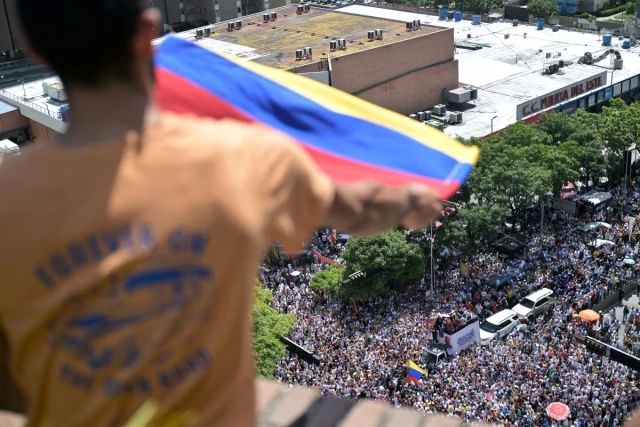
(127,268)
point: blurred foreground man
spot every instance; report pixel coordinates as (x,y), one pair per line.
(130,245)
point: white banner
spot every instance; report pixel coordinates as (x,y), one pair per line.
(464,337)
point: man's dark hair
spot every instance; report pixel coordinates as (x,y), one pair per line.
(87,42)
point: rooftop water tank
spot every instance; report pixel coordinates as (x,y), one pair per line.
(476,19)
(606,39)
(458,16)
(541,24)
(442,14)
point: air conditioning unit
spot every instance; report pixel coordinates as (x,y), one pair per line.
(439,110)
(299,54)
(230,26)
(238,25)
(207,32)
(333,45)
(421,116)
(57,92)
(409,26)
(266,17)
(436,124)
(459,96)
(299,10)
(474,94)
(308,53)
(378,34)
(455,117)
(371,35)
(427,115)
(199,34)
(416,24)
(342,44)
(307,8)
(274,16)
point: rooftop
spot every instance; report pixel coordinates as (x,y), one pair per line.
(275,43)
(508,71)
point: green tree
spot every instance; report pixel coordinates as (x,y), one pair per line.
(543,8)
(268,327)
(401,264)
(327,281)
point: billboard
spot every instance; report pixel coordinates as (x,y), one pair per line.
(465,337)
(544,102)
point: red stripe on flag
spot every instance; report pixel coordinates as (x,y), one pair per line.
(326,260)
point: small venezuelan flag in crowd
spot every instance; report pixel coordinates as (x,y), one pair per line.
(414,372)
(350,139)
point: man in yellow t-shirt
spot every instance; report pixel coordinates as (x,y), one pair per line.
(130,245)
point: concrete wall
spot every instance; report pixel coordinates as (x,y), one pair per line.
(42,133)
(406,76)
(12,120)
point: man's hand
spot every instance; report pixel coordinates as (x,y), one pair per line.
(368,208)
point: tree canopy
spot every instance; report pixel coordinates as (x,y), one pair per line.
(523,163)
(543,8)
(395,263)
(327,281)
(268,327)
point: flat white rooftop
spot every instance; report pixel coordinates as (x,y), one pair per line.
(30,98)
(508,71)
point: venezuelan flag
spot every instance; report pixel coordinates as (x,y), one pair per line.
(350,139)
(414,372)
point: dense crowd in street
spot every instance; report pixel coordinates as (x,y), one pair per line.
(363,349)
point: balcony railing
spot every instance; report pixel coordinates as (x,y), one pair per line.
(39,108)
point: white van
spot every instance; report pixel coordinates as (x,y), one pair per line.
(498,326)
(536,303)
(8,148)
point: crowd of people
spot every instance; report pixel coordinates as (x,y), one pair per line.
(363,349)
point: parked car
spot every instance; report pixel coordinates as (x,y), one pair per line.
(498,326)
(535,303)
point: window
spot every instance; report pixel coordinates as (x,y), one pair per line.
(542,301)
(240,11)
(527,303)
(489,327)
(505,324)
